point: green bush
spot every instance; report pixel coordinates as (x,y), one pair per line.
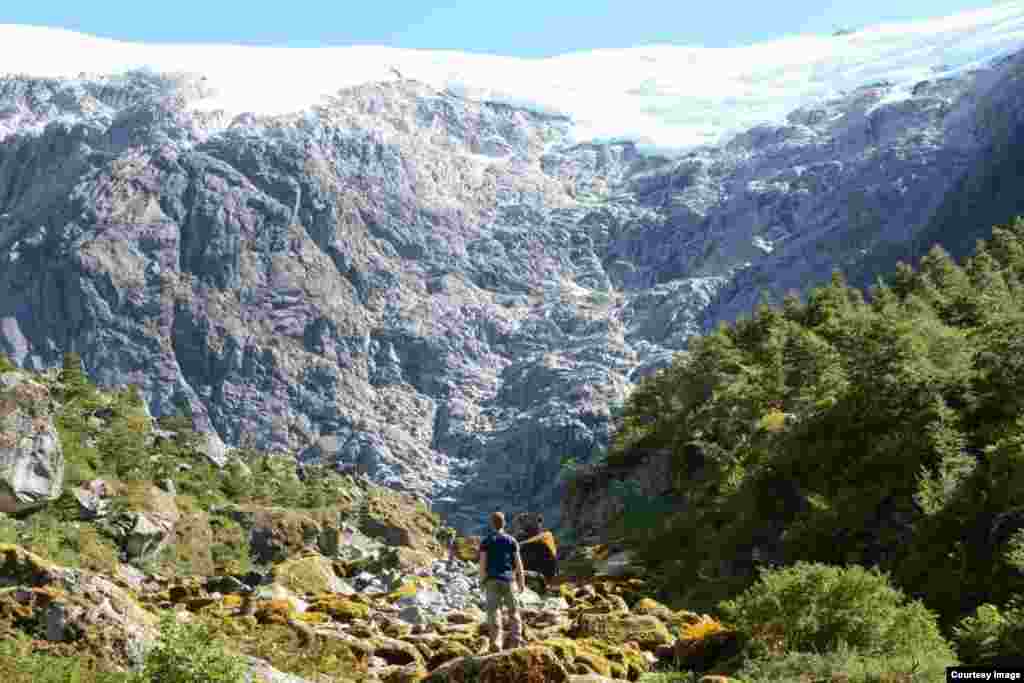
(843,664)
(990,635)
(8,529)
(187,653)
(5,364)
(46,535)
(818,608)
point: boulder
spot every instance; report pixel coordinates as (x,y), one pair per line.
(214,449)
(592,656)
(260,671)
(144,534)
(227,585)
(414,614)
(531,664)
(149,522)
(467,548)
(700,654)
(526,524)
(619,564)
(85,610)
(310,574)
(339,608)
(92,500)
(275,534)
(396,652)
(398,519)
(31,459)
(446,652)
(540,554)
(619,628)
(653,608)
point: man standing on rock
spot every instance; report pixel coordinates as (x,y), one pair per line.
(499,558)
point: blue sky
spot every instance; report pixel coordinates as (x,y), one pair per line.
(524,28)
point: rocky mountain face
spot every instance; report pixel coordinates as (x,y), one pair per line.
(448,295)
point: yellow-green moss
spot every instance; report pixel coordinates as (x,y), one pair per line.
(340,608)
(312,574)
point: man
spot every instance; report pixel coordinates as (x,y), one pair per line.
(499,559)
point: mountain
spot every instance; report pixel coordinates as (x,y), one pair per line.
(447,286)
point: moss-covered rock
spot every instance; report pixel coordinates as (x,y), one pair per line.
(398,519)
(652,608)
(396,652)
(19,567)
(410,586)
(617,629)
(300,651)
(308,575)
(339,608)
(401,674)
(532,664)
(278,611)
(411,560)
(588,655)
(76,607)
(448,650)
(706,648)
(467,548)
(470,615)
(193,541)
(274,534)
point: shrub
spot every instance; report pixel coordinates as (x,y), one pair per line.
(841,665)
(5,364)
(990,635)
(187,653)
(8,530)
(19,664)
(48,536)
(820,608)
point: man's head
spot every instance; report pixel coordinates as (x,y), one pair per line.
(498,520)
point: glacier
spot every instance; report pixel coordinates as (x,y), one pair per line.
(665,98)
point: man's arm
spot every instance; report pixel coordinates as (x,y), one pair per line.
(520,572)
(483,564)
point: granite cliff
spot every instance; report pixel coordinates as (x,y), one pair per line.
(448,295)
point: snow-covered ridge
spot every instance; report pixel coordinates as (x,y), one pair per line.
(666,96)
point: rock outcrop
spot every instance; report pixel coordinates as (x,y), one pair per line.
(448,296)
(31,460)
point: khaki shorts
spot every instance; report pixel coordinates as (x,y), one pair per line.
(501,594)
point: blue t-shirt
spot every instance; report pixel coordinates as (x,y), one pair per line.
(501,552)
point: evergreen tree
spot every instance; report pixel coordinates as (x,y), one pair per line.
(886,433)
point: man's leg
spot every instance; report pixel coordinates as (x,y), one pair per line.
(492,598)
(511,604)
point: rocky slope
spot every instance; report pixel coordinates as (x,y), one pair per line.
(353,589)
(448,295)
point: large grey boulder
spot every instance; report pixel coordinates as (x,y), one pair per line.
(31,460)
(144,530)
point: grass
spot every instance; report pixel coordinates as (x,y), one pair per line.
(19,664)
(843,665)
